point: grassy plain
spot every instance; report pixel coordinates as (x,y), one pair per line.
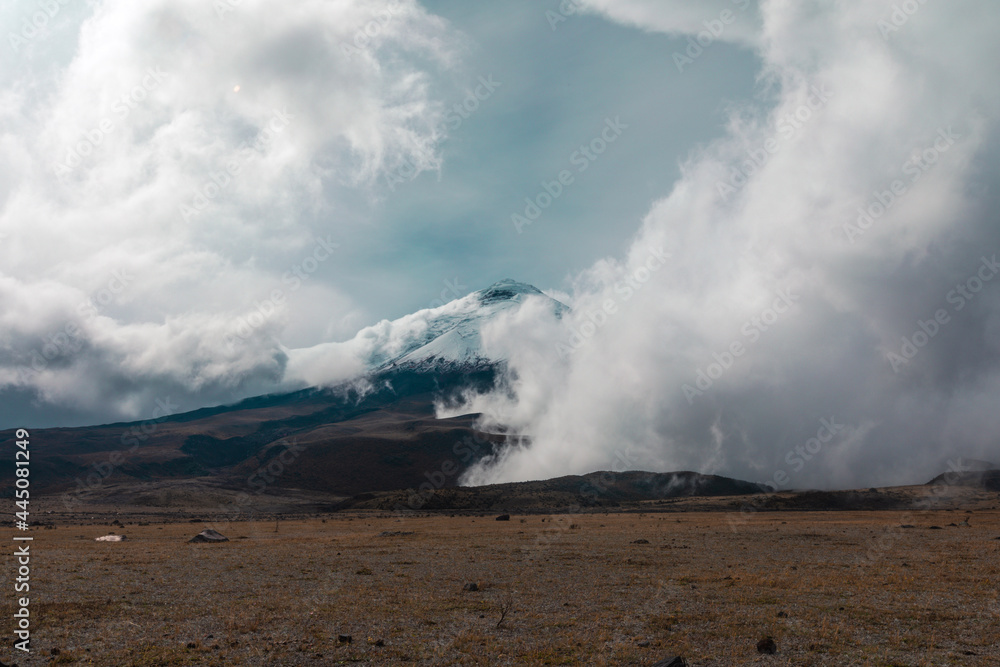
(831,588)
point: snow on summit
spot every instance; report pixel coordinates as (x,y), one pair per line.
(449,336)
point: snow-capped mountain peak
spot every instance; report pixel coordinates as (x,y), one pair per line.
(506,290)
(451,335)
(447,337)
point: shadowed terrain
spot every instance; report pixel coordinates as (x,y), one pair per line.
(831,588)
(341,441)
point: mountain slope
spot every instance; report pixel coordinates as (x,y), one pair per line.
(342,440)
(984,479)
(447,337)
(375,431)
(452,335)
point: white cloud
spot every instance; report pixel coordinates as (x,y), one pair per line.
(779,228)
(141,156)
(675,17)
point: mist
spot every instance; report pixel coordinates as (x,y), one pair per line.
(827,315)
(200,205)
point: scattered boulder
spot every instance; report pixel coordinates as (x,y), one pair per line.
(503,517)
(935,528)
(907,525)
(964,524)
(782,614)
(767,646)
(396,533)
(640,541)
(345,639)
(110,538)
(209,535)
(676,661)
(472,588)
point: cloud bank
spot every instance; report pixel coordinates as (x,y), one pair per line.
(829,314)
(169,195)
(814,303)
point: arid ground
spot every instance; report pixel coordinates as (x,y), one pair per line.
(831,588)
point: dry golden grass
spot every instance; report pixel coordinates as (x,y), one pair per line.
(831,588)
